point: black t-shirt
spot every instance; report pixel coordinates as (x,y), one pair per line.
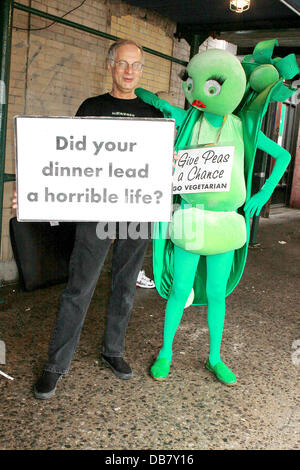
(107,105)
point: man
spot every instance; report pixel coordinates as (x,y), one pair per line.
(125,62)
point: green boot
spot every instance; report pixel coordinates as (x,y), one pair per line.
(160,368)
(222,372)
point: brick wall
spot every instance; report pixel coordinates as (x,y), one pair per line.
(54,69)
(181,49)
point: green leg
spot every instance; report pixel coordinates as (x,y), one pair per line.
(218,270)
(185,265)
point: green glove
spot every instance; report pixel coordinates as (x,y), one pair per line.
(256,202)
(169,111)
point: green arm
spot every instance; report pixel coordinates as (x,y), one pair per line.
(166,108)
(282,156)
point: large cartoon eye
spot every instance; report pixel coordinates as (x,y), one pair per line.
(190,84)
(212,88)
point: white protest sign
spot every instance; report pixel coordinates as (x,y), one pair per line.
(203,169)
(94,169)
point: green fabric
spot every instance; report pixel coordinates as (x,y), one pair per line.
(212,71)
(217,228)
(185,266)
(262,54)
(222,372)
(160,368)
(207,232)
(263,76)
(218,268)
(251,111)
(179,268)
(251,115)
(256,203)
(168,110)
(231,134)
(286,67)
(213,119)
(263,51)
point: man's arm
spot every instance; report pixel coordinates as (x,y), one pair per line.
(14,201)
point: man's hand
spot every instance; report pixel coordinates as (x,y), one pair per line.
(14,201)
(175,157)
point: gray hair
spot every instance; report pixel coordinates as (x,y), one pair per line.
(122,42)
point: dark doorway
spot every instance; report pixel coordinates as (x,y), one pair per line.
(284,121)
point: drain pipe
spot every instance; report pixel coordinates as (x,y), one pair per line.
(6,16)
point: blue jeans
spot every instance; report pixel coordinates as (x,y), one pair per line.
(86,262)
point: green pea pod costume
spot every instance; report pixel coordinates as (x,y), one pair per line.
(251,111)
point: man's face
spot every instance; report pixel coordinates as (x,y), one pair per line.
(125,78)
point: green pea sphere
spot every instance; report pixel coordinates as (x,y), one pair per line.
(262,77)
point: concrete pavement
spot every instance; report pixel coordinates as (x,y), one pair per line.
(92,409)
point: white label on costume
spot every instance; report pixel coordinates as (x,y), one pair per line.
(203,170)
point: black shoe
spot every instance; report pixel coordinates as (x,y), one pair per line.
(118,366)
(46,385)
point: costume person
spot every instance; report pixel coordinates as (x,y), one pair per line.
(210,262)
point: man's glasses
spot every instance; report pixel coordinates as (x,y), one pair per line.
(124,65)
